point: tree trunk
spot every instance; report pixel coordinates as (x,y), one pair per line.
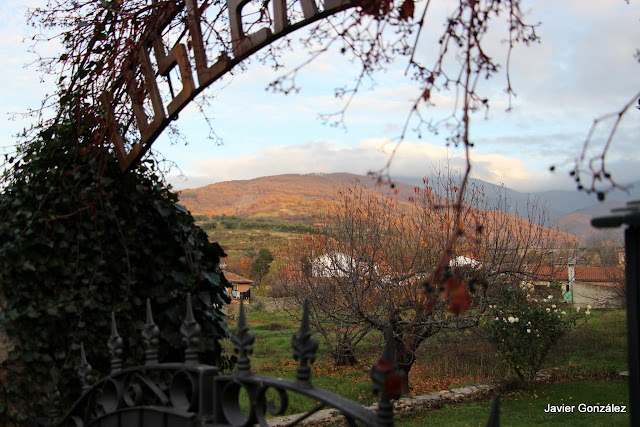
(344,354)
(406,355)
(405,361)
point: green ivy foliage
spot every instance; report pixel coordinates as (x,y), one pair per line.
(80,239)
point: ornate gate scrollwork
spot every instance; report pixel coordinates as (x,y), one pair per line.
(186,394)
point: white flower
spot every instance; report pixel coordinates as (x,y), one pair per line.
(548,310)
(511,319)
(528,331)
(516,320)
(497,318)
(577,308)
(563,313)
(528,323)
(587,312)
(553,306)
(550,297)
(588,307)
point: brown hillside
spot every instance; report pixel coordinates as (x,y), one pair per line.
(577,223)
(288,196)
(519,226)
(307,198)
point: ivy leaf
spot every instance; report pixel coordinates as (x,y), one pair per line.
(206,298)
(106,181)
(214,279)
(163,211)
(31,313)
(179,277)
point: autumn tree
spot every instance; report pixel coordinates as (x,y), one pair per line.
(241,266)
(380,258)
(303,278)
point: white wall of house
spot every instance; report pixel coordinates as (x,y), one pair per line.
(597,296)
(465,261)
(338,264)
(332,265)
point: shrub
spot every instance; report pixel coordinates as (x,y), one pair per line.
(208,225)
(80,239)
(524,329)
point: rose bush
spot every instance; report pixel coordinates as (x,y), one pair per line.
(523,329)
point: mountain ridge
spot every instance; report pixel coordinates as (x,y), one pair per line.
(303,197)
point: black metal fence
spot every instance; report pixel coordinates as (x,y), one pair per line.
(630,216)
(193,394)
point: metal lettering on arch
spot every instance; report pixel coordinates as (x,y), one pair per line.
(196,71)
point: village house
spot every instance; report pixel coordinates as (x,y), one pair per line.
(240,287)
(601,287)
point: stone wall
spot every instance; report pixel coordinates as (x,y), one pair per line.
(266,304)
(433,400)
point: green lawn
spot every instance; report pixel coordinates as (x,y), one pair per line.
(527,407)
(596,350)
(597,347)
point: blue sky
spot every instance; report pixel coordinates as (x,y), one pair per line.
(583,68)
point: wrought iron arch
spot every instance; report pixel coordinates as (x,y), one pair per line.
(148,60)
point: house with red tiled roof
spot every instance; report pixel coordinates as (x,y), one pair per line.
(588,285)
(240,287)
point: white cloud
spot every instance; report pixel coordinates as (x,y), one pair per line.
(411,159)
(583,68)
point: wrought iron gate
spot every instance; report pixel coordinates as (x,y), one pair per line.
(193,394)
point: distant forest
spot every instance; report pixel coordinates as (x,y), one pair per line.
(232,222)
